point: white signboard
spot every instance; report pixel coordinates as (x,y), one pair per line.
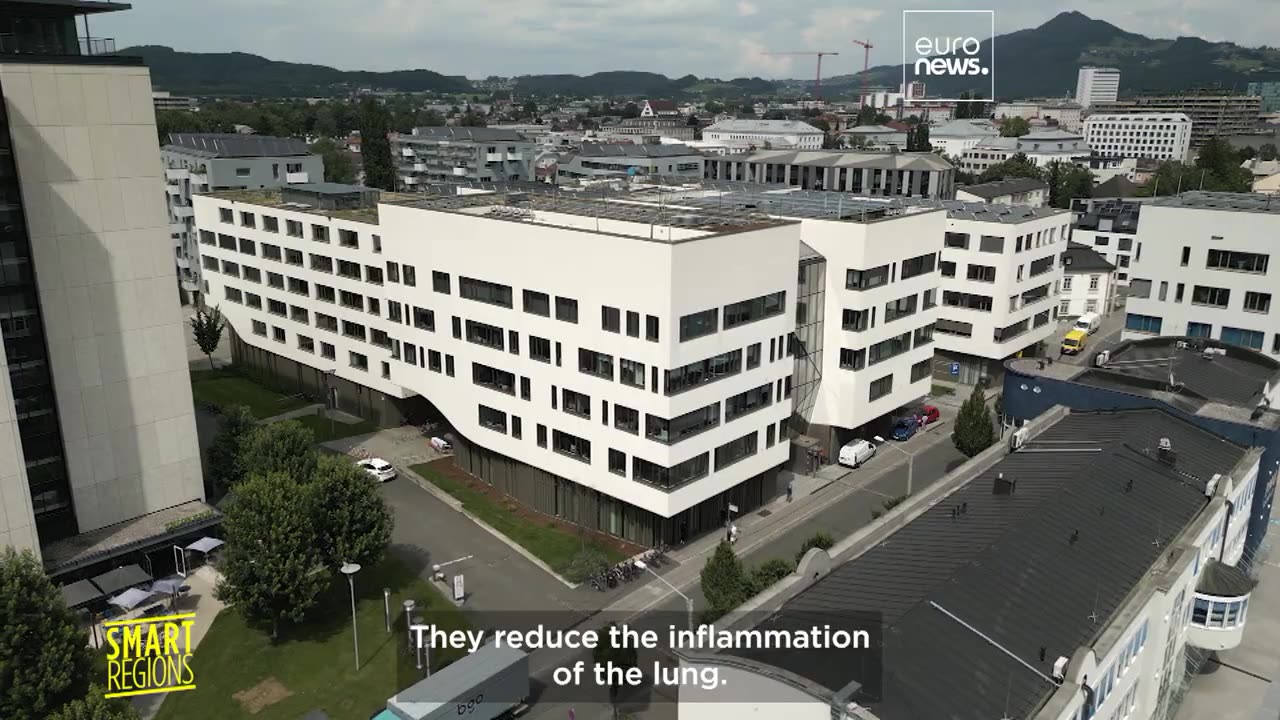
(458,593)
(733,508)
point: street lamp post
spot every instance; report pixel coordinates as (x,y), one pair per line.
(911,457)
(688,601)
(350,569)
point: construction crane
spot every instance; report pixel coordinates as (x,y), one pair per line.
(817,82)
(866,65)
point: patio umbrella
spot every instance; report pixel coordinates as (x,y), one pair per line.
(80,592)
(167,586)
(205,544)
(121,578)
(130,599)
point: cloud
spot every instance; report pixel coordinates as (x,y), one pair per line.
(832,29)
(752,60)
(747,9)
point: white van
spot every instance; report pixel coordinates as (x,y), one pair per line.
(1089,322)
(856,453)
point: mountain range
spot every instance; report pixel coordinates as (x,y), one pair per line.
(1039,61)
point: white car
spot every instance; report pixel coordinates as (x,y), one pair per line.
(856,453)
(378,469)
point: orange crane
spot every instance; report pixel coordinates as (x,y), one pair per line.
(817,83)
(866,65)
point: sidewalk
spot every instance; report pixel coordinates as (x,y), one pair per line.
(201,601)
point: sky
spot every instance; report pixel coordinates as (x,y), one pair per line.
(707,38)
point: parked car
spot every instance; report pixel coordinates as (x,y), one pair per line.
(1074,342)
(905,427)
(1088,322)
(378,469)
(930,413)
(856,453)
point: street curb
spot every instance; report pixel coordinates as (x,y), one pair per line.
(456,504)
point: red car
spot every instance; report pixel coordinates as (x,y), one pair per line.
(930,414)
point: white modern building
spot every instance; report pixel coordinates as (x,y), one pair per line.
(1065,114)
(1013,191)
(1088,282)
(1205,270)
(1150,558)
(449,154)
(597,160)
(1160,136)
(1000,284)
(1041,146)
(1110,228)
(1097,84)
(626,391)
(200,162)
(98,451)
(874,137)
(893,174)
(773,134)
(954,137)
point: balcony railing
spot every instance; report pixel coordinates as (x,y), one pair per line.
(19,45)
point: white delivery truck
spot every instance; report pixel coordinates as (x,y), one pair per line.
(490,683)
(1089,322)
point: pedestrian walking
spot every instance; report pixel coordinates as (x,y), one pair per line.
(733,534)
(790,483)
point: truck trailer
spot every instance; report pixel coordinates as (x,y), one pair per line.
(490,683)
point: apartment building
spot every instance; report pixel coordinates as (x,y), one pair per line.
(1145,584)
(99,458)
(1096,84)
(888,174)
(1041,146)
(1159,136)
(1213,113)
(1205,270)
(596,160)
(660,126)
(1269,92)
(435,154)
(1110,228)
(955,136)
(627,391)
(1088,282)
(773,134)
(1013,191)
(1000,284)
(199,162)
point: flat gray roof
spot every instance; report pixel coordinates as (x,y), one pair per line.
(236,145)
(1242,202)
(473,134)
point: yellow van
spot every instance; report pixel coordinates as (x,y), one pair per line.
(1074,341)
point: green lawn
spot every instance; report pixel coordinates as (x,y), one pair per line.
(228,388)
(313,663)
(941,390)
(326,430)
(554,546)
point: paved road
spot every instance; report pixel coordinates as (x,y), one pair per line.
(1106,338)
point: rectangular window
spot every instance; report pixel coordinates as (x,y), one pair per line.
(293,228)
(226,215)
(299,314)
(981,273)
(919,265)
(631,373)
(595,363)
(348,238)
(670,478)
(633,324)
(373,274)
(1212,296)
(275,307)
(207,237)
(393,272)
(920,370)
(433,360)
(900,308)
(483,291)
(324,293)
(685,426)
(735,450)
(270,224)
(306,344)
(853,359)
(959,241)
(299,287)
(271,252)
(626,419)
(753,356)
(991,244)
(1257,302)
(567,309)
(277,334)
(326,322)
(576,403)
(610,319)
(1238,336)
(703,372)
(358,361)
(484,334)
(1237,261)
(617,462)
(746,311)
(349,269)
(253,301)
(880,388)
(321,263)
(348,299)
(651,328)
(539,348)
(699,324)
(248,247)
(259,327)
(1204,330)
(424,319)
(571,445)
(748,402)
(230,268)
(889,348)
(856,320)
(247,219)
(354,330)
(1142,323)
(542,436)
(536,303)
(513,342)
(233,294)
(1186,256)
(327,351)
(410,275)
(457,327)
(493,419)
(448,365)
(947,268)
(867,279)
(227,242)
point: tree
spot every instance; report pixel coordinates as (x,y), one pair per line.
(206,328)
(272,564)
(631,110)
(1014,127)
(356,521)
(1067,181)
(285,447)
(962,107)
(471,119)
(1267,151)
(817,540)
(375,148)
(1247,153)
(337,165)
(96,707)
(529,109)
(770,572)
(225,453)
(611,651)
(922,138)
(974,432)
(724,581)
(1015,167)
(44,659)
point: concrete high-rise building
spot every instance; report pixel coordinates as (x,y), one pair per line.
(1213,113)
(451,154)
(1096,84)
(200,162)
(98,451)
(1158,136)
(1270,94)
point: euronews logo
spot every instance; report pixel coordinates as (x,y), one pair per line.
(949,57)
